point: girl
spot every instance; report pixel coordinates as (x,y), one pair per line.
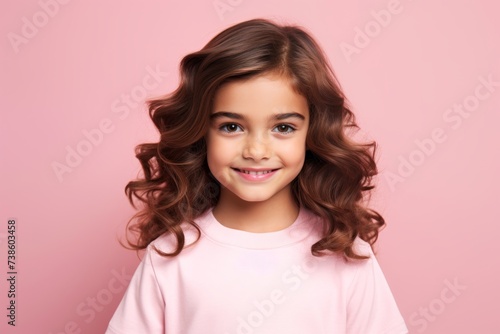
(253,218)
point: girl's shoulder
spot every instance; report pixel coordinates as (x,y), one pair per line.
(167,242)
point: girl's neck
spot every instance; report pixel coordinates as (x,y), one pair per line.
(274,214)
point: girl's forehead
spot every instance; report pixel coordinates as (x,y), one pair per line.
(269,91)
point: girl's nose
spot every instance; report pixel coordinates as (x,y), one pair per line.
(256,148)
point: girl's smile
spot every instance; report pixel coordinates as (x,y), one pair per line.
(255,174)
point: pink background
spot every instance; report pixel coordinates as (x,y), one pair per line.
(73,70)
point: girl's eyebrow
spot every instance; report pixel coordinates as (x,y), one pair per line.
(288,115)
(227,114)
(279,117)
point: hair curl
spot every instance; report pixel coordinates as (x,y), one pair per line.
(177,185)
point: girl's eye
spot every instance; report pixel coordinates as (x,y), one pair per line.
(230,127)
(284,128)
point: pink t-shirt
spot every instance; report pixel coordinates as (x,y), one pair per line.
(237,282)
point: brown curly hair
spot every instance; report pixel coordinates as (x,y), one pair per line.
(177,185)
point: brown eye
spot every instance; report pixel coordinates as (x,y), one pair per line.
(284,128)
(230,127)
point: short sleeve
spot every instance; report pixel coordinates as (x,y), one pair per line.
(371,307)
(142,308)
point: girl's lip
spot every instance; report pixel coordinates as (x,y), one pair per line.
(251,169)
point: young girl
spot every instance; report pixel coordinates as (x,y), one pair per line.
(253,218)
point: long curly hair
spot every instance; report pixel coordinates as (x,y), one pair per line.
(177,185)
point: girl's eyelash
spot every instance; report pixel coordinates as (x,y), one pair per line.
(290,128)
(224,127)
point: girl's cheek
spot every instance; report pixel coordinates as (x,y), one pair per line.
(292,147)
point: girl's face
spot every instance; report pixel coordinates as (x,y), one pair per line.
(256,142)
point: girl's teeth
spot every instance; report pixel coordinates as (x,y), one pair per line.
(256,173)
